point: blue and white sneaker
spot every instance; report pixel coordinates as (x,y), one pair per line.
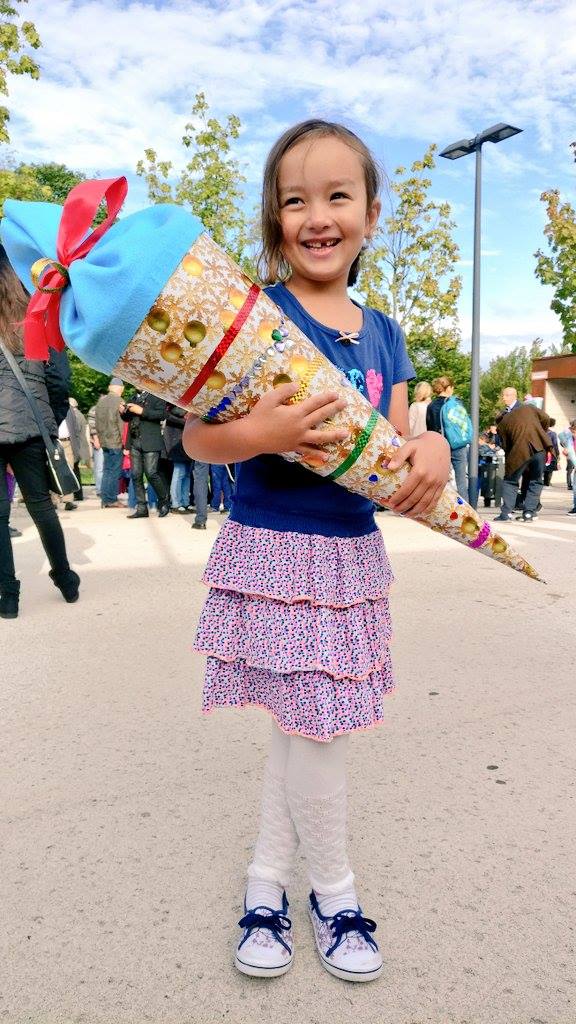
(266,948)
(345,944)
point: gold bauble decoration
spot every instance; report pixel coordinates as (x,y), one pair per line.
(192,266)
(216,380)
(158,319)
(171,351)
(194,332)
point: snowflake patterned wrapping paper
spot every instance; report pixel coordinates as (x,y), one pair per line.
(210,341)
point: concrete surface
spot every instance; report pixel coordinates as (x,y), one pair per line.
(127,818)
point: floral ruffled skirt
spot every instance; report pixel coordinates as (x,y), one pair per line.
(298,624)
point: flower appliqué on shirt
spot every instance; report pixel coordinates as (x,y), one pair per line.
(356,378)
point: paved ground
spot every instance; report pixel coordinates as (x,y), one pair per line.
(127,817)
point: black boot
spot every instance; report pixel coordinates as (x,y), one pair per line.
(9,600)
(68,583)
(140,513)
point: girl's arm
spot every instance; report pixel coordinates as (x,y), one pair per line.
(398,409)
(428,455)
(270,428)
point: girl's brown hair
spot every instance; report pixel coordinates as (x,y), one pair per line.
(272,266)
(13,302)
(441,383)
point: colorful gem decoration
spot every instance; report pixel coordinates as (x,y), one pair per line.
(373,478)
(238,388)
(158,319)
(358,448)
(453,515)
(483,535)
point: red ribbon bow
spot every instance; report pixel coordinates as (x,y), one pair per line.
(42,320)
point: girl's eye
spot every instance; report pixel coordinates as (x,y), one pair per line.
(292,200)
(339,195)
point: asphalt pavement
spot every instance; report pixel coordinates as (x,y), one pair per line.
(127,818)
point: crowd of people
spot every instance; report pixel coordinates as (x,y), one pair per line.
(137,445)
(517,454)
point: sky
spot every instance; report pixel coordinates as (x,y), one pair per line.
(118,77)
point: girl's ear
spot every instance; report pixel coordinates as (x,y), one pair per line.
(372,217)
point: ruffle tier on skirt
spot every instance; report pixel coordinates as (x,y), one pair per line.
(298,624)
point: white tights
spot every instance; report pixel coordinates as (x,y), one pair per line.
(304,800)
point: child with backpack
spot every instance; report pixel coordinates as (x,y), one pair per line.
(447,416)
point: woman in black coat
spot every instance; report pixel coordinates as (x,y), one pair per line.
(22,448)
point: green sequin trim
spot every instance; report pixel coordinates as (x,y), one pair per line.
(358,448)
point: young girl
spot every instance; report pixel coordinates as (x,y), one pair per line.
(297,620)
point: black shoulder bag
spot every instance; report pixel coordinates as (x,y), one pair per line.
(63,479)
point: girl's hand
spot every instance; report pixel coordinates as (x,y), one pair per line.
(429,456)
(292,428)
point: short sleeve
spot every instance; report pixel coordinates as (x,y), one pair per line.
(402,367)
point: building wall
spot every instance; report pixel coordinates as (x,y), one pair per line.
(554,380)
(560,401)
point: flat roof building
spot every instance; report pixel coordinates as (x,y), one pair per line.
(554,380)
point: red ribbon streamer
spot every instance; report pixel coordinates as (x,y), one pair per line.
(222,346)
(42,320)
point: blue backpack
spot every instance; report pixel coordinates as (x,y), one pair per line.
(456,423)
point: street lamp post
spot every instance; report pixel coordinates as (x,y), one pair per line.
(497,133)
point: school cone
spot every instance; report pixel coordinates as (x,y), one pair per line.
(152,299)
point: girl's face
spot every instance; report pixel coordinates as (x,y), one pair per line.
(323,209)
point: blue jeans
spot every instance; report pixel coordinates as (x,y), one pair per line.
(98,467)
(180,486)
(201,472)
(111,475)
(459,460)
(221,485)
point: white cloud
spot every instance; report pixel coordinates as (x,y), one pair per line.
(117,77)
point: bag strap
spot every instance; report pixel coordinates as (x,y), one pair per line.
(32,401)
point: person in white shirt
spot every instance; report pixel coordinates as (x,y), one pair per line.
(417,410)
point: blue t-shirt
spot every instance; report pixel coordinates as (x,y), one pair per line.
(280,495)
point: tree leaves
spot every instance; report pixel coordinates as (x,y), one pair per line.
(210,183)
(557,268)
(13,40)
(409,272)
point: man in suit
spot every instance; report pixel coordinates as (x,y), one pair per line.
(522,430)
(144,414)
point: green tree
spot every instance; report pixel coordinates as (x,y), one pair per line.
(557,267)
(409,272)
(15,41)
(58,178)
(21,183)
(87,384)
(210,183)
(511,370)
(49,183)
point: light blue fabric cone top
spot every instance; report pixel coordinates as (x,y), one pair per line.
(112,288)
